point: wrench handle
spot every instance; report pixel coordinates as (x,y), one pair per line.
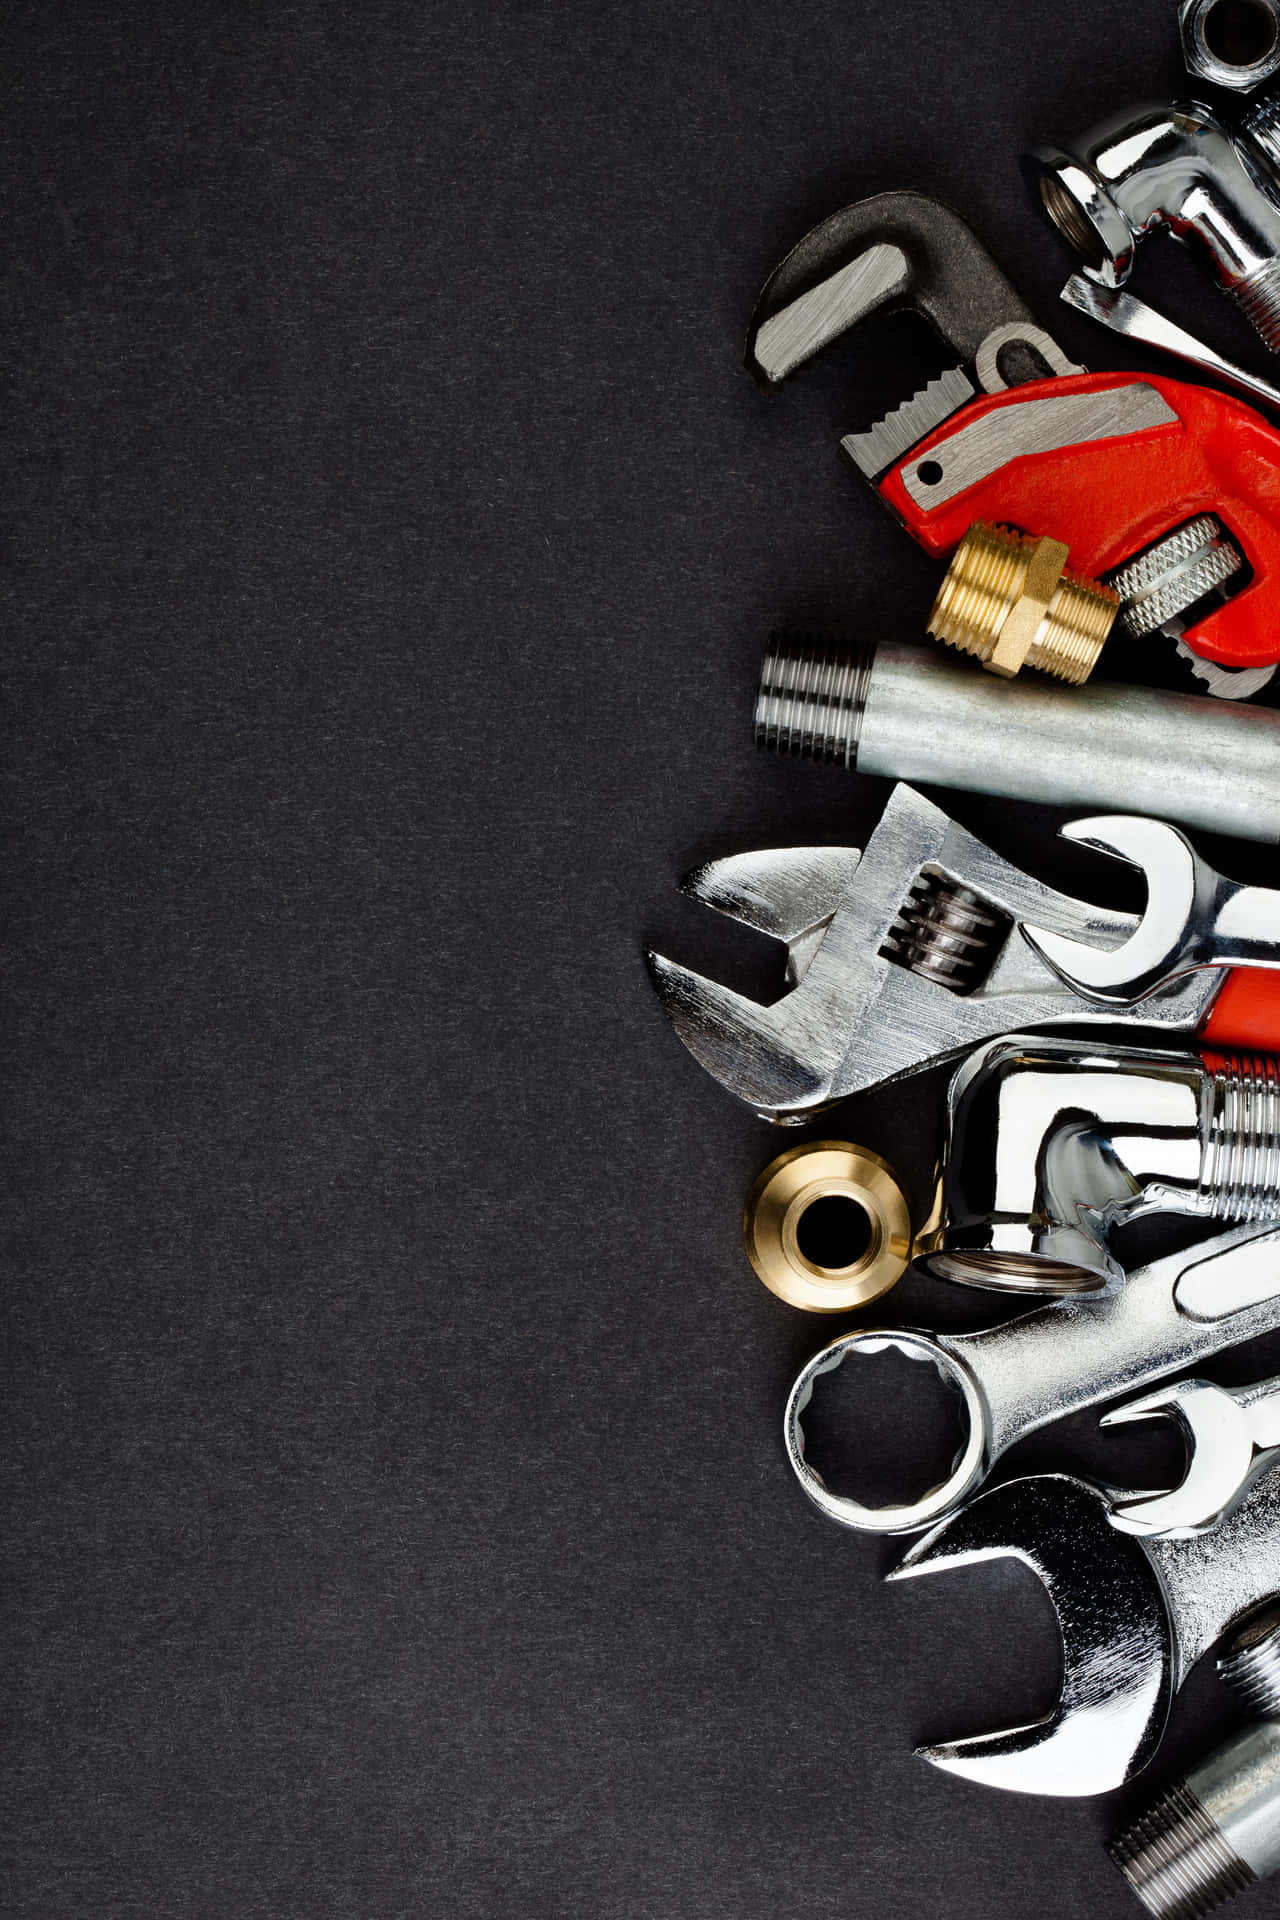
(1245,1015)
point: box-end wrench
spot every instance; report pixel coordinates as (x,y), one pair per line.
(1014,1379)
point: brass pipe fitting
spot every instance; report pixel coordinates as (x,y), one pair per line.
(827,1227)
(1010,600)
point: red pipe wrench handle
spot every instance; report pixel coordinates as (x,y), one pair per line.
(1245,1017)
(1112,496)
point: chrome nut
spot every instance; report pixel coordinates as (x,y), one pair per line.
(1230,43)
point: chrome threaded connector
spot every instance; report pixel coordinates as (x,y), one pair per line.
(1258,298)
(1250,1666)
(1010,601)
(1240,1160)
(1177,1860)
(811,698)
(1218,1831)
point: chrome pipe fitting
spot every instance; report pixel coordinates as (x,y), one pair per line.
(1049,1145)
(1173,167)
(1217,1831)
(1230,43)
(914,714)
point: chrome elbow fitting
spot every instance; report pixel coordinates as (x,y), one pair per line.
(1174,167)
(1050,1144)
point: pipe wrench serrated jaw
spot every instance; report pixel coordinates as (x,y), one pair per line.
(899,250)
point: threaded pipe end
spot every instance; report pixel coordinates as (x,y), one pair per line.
(1262,126)
(1240,1161)
(1258,298)
(1009,600)
(810,700)
(1251,1666)
(1177,1860)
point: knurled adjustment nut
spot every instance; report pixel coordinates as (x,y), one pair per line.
(1030,610)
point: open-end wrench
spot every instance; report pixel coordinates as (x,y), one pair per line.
(1233,1438)
(908,954)
(1014,1379)
(1122,468)
(1194,916)
(1135,1614)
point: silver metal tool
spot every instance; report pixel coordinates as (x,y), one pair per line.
(1171,167)
(896,956)
(1194,917)
(1125,314)
(1232,1436)
(904,250)
(1050,1144)
(1012,1380)
(913,714)
(1135,1614)
(1216,1832)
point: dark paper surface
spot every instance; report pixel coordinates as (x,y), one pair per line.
(395,1515)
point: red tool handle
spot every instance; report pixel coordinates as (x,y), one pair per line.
(1245,1017)
(1110,499)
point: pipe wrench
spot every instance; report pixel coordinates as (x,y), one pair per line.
(1171,490)
(908,952)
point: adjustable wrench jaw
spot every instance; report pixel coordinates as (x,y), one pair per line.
(1134,1614)
(860,1012)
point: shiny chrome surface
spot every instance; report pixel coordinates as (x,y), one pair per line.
(1194,917)
(1134,1615)
(1207,29)
(911,713)
(1172,167)
(1014,1379)
(1049,1144)
(857,1016)
(1232,1437)
(1125,314)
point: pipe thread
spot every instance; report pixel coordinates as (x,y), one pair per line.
(1240,1160)
(1177,1859)
(986,581)
(1251,1668)
(1262,127)
(811,698)
(1258,298)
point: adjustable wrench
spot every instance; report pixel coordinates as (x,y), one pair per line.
(1014,1379)
(906,954)
(1194,916)
(1135,1614)
(1112,464)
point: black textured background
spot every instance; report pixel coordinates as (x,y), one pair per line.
(395,1520)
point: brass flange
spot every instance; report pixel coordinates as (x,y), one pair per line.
(781,1247)
(1010,600)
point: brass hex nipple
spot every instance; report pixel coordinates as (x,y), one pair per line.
(1009,600)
